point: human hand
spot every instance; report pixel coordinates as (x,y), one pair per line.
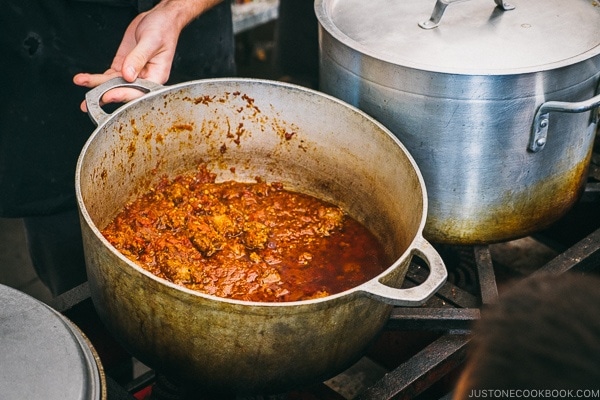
(147,49)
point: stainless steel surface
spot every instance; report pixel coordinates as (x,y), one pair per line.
(245,128)
(475,38)
(43,355)
(462,98)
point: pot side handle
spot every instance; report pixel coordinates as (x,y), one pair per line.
(440,7)
(93,97)
(541,121)
(414,296)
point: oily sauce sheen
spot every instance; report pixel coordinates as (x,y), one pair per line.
(245,241)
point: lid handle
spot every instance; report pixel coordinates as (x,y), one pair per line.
(440,7)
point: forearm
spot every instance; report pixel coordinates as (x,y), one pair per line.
(185,11)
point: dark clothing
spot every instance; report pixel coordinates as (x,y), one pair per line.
(56,250)
(297,42)
(44,43)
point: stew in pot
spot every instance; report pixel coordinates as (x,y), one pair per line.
(248,241)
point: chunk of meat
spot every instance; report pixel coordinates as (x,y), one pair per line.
(330,219)
(255,235)
(205,238)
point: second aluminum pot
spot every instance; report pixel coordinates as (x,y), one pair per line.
(496,102)
(245,129)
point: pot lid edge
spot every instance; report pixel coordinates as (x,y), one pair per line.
(327,23)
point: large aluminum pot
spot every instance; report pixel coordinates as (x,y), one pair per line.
(245,128)
(498,105)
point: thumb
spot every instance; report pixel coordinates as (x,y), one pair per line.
(149,62)
(133,64)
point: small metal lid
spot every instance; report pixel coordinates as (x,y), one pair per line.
(42,354)
(472,37)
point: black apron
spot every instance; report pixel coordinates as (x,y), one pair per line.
(44,43)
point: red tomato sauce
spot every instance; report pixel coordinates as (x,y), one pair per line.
(245,241)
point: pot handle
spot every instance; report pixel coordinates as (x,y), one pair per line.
(541,121)
(93,97)
(414,296)
(440,7)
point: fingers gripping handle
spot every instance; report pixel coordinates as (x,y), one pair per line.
(94,96)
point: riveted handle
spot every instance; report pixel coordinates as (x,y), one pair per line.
(541,121)
(440,8)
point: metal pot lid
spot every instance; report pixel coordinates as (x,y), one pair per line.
(42,354)
(474,37)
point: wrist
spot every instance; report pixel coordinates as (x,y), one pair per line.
(185,11)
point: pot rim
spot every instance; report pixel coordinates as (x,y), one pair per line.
(104,119)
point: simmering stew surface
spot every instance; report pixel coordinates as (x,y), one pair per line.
(245,241)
